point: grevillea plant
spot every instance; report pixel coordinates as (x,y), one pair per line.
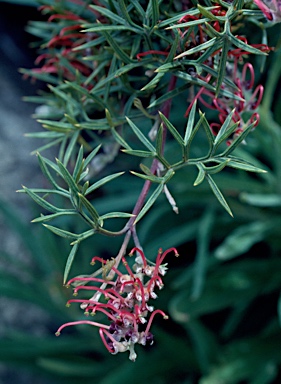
(159,86)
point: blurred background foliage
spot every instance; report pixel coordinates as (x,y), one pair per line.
(222,294)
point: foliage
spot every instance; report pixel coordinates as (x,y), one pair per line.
(127,81)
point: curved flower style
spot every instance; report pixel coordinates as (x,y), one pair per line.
(271,9)
(124,299)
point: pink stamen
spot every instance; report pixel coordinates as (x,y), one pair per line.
(255,118)
(130,282)
(141,254)
(162,257)
(151,52)
(69,16)
(127,267)
(219,105)
(104,262)
(139,283)
(80,322)
(202,89)
(153,280)
(101,332)
(102,305)
(96,279)
(111,290)
(258,94)
(265,10)
(205,103)
(89,288)
(100,309)
(79,301)
(70,28)
(249,67)
(152,317)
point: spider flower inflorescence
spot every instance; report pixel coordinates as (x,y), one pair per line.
(123,297)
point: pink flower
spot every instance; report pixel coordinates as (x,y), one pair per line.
(123,299)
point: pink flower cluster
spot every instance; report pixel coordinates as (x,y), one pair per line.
(124,299)
(243,80)
(250,97)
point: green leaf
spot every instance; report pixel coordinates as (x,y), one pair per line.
(169,95)
(176,18)
(146,170)
(226,134)
(44,135)
(227,287)
(69,262)
(46,191)
(127,17)
(116,48)
(202,254)
(90,157)
(152,178)
(90,208)
(208,131)
(103,181)
(61,232)
(70,148)
(79,164)
(261,200)
(135,152)
(218,194)
(238,140)
(242,239)
(119,139)
(192,135)
(57,126)
(188,24)
(172,129)
(141,136)
(245,167)
(150,202)
(190,123)
(117,215)
(199,48)
(44,218)
(174,47)
(90,44)
(45,77)
(138,8)
(68,178)
(214,73)
(245,47)
(222,65)
(85,92)
(201,175)
(152,83)
(110,28)
(114,75)
(46,171)
(216,168)
(155,12)
(159,140)
(206,13)
(63,96)
(194,80)
(110,15)
(48,145)
(40,201)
